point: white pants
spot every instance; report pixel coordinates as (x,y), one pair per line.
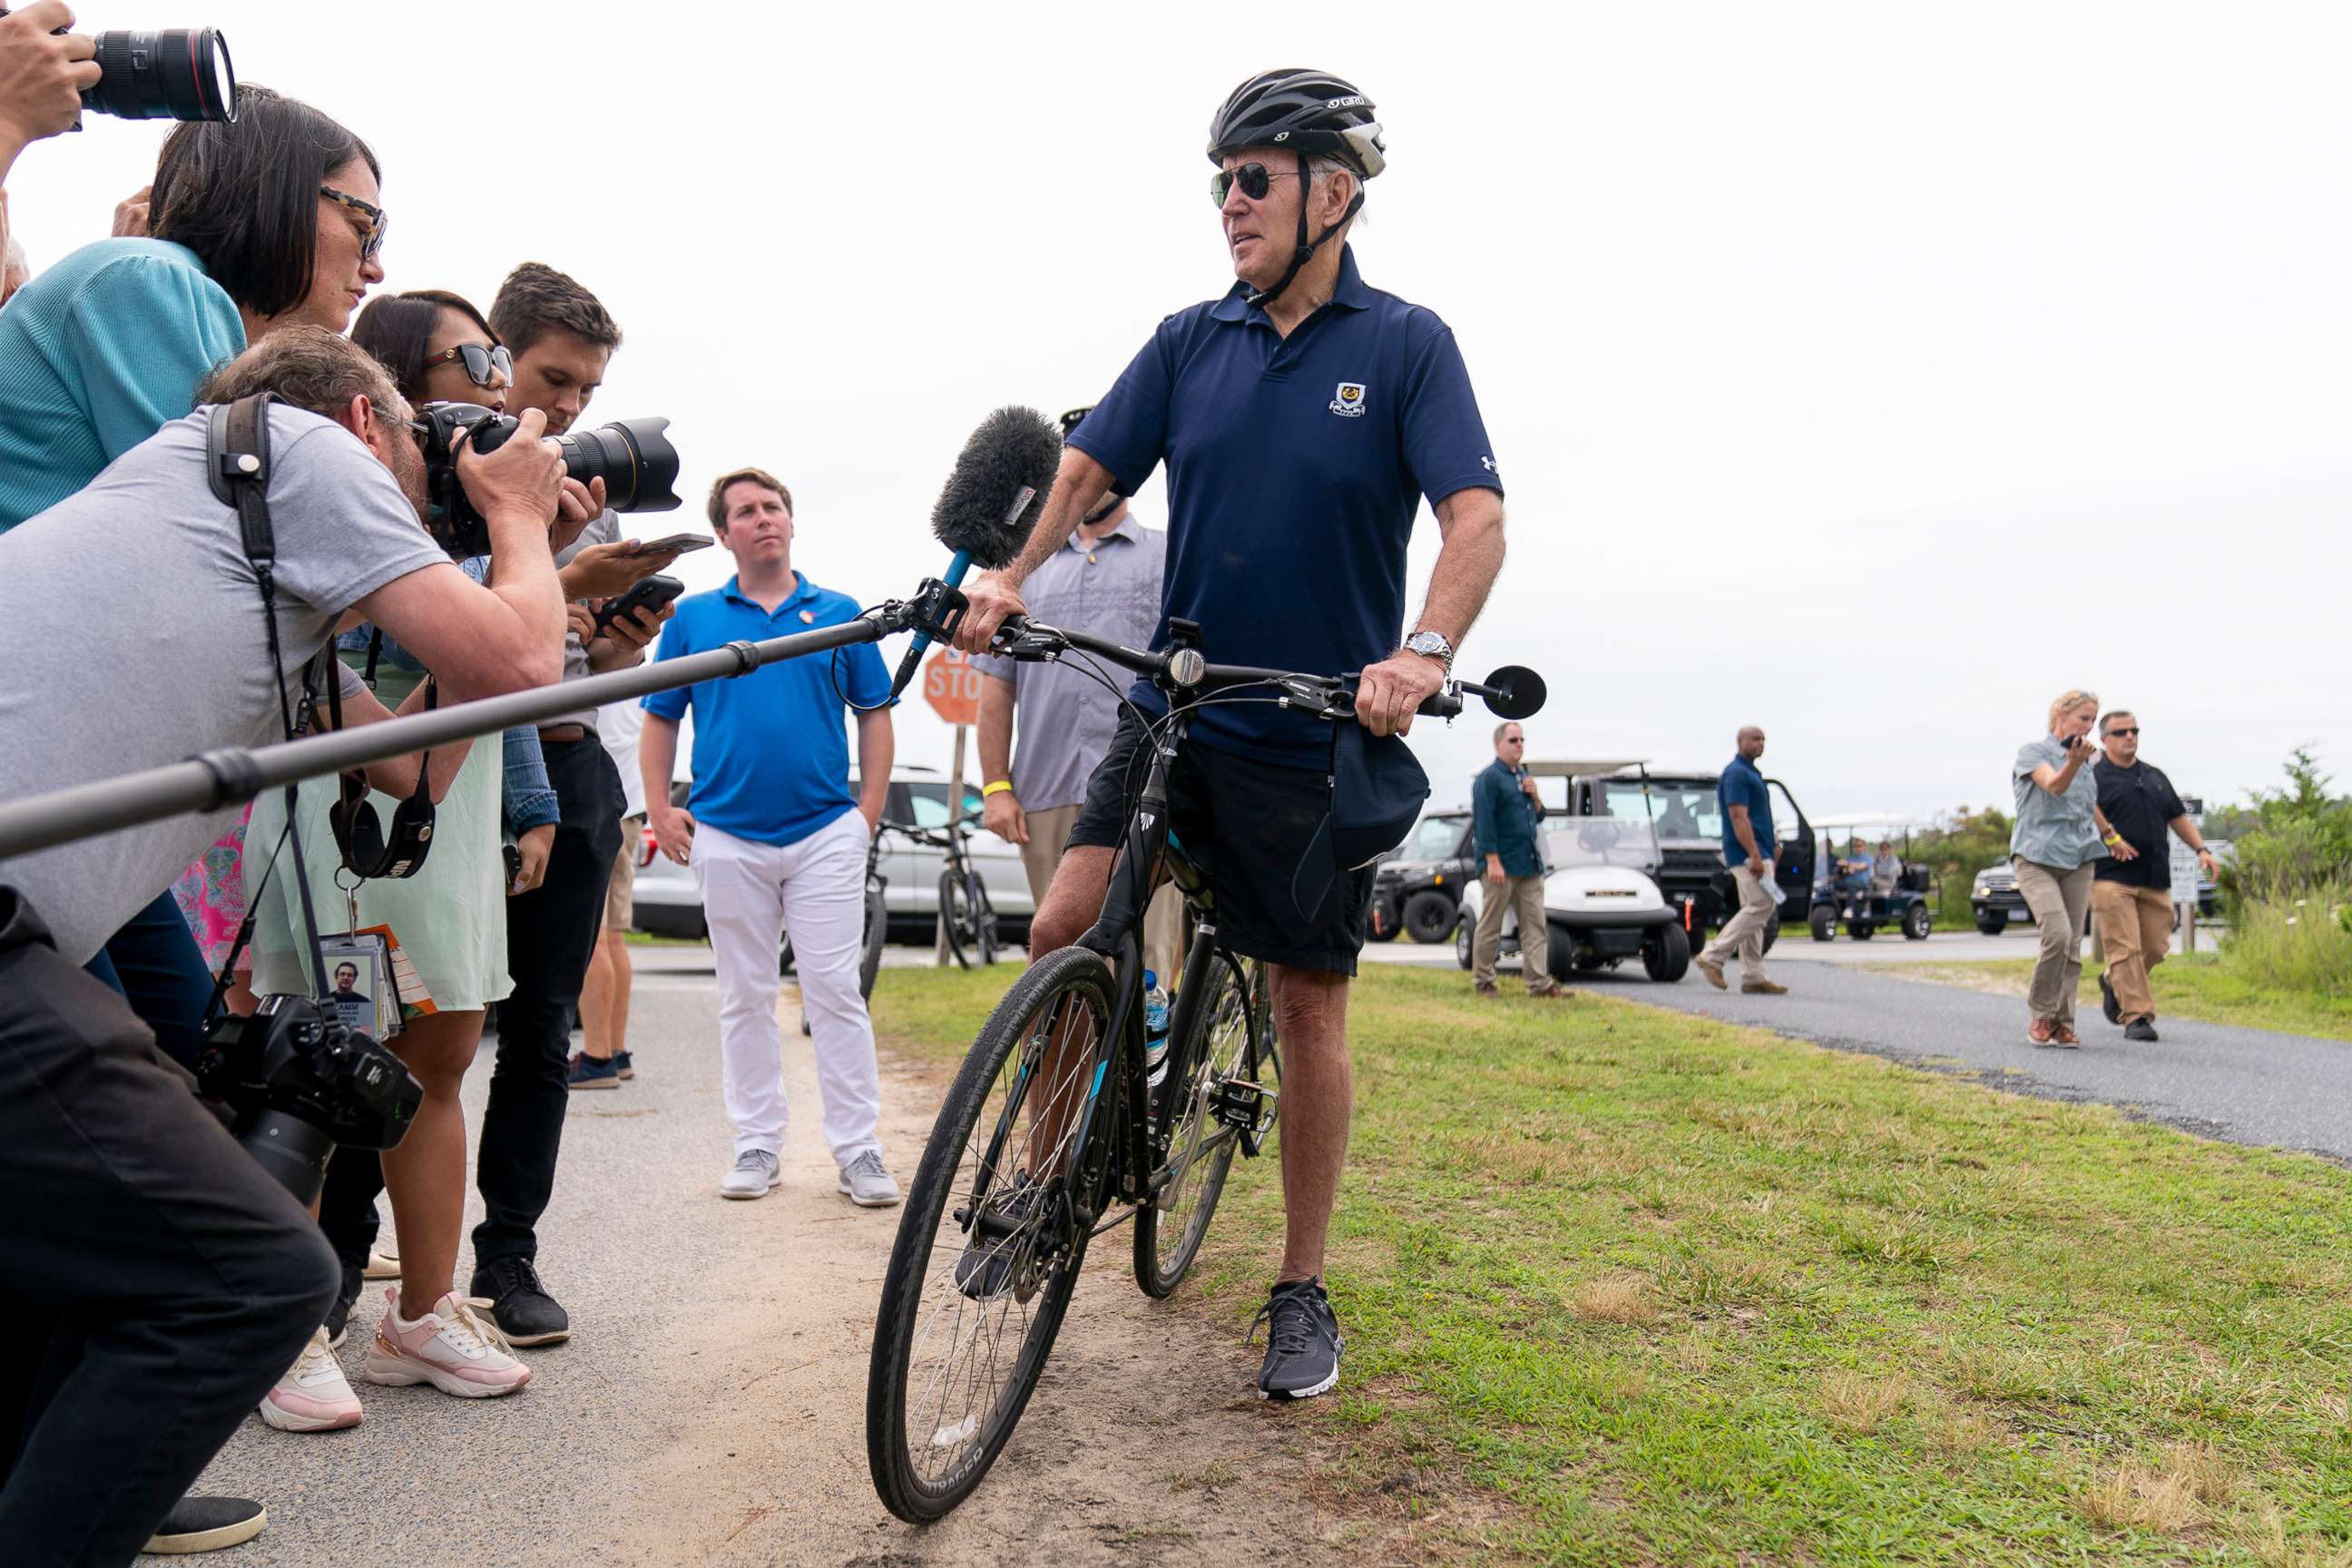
(751,893)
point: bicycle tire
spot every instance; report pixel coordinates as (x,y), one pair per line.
(983,923)
(1170,1229)
(981,1106)
(955,918)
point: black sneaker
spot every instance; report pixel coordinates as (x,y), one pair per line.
(2109,1003)
(985,1269)
(2141,1029)
(339,1316)
(1302,1342)
(208,1524)
(519,1304)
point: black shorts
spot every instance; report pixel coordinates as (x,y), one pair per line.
(1249,825)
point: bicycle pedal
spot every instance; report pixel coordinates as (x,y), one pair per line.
(1244,1107)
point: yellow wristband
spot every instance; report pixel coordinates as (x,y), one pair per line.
(1001,786)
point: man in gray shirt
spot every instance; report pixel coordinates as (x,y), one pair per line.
(165,1277)
(1105,581)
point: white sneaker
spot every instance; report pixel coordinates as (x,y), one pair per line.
(756,1174)
(869,1187)
(313,1396)
(453,1347)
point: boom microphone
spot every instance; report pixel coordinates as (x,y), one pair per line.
(991,501)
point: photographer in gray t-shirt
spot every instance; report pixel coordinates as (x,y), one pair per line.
(167,1278)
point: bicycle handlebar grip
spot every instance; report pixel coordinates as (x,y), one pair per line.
(1446,704)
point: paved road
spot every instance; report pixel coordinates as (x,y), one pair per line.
(2248,1086)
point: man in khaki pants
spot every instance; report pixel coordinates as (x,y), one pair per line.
(1748,851)
(1105,581)
(1503,811)
(2132,890)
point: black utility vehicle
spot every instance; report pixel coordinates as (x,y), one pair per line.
(1419,887)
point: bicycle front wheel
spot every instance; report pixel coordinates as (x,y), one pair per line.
(955,916)
(989,1247)
(1231,1079)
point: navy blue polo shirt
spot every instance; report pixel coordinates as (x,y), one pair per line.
(770,748)
(1294,468)
(1741,785)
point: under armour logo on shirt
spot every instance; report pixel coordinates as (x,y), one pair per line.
(1489,463)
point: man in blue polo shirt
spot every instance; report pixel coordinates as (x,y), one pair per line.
(1747,846)
(774,837)
(1302,417)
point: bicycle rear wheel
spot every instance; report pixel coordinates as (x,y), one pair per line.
(1226,1070)
(955,915)
(988,1249)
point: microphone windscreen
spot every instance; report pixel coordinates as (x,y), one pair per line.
(1012,448)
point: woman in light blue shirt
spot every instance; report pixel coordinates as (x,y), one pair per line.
(2051,846)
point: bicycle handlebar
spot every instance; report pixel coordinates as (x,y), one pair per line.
(1182,670)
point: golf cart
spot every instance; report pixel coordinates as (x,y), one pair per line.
(1419,886)
(1689,824)
(1601,901)
(1860,904)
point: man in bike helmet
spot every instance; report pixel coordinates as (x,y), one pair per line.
(1303,416)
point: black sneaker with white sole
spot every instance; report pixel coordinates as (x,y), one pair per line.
(1302,1342)
(208,1524)
(519,1304)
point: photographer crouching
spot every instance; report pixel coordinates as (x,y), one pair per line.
(162,1280)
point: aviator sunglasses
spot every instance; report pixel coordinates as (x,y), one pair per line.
(1254,179)
(480,362)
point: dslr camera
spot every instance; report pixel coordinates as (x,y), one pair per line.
(300,1081)
(179,73)
(632,457)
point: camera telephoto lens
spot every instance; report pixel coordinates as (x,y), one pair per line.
(181,73)
(632,457)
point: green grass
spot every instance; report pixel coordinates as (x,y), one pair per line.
(2187,985)
(1625,1287)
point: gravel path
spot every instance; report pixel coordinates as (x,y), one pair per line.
(710,1407)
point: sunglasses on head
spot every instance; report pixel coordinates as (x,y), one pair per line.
(1254,179)
(371,242)
(480,362)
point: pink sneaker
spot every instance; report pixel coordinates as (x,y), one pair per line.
(453,1347)
(313,1396)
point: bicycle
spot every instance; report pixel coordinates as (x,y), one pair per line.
(1010,1194)
(964,903)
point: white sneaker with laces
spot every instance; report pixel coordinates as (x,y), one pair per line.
(313,1396)
(454,1347)
(756,1174)
(867,1184)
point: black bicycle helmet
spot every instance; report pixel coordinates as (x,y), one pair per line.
(1313,114)
(1306,112)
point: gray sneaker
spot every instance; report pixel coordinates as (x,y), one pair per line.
(755,1175)
(867,1184)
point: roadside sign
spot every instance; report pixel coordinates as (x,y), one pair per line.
(2186,872)
(951,685)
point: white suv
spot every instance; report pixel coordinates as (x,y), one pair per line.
(669,904)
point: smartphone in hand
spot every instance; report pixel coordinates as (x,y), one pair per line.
(649,595)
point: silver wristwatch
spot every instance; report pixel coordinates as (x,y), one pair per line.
(1432,645)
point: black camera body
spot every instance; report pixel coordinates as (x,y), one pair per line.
(301,1081)
(632,457)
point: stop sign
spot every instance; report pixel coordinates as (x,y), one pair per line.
(951,685)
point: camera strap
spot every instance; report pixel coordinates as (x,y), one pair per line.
(237,464)
(368,852)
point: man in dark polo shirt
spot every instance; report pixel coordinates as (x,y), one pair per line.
(1302,417)
(2131,892)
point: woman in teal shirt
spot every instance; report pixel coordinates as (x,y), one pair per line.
(271,219)
(2051,847)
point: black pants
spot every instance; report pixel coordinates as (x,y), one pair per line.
(169,1278)
(552,933)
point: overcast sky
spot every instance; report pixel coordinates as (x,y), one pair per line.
(1870,374)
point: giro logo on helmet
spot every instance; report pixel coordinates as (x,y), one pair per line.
(1350,402)
(1356,101)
